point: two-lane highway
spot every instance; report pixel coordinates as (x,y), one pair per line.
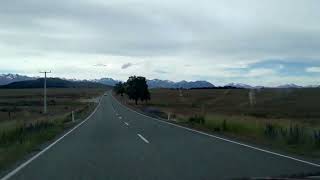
(118,143)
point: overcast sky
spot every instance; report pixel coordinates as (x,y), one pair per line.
(258,42)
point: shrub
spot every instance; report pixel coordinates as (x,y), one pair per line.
(224,125)
(283,132)
(316,135)
(193,105)
(173,116)
(216,129)
(197,119)
(259,114)
(20,133)
(52,102)
(270,130)
(295,135)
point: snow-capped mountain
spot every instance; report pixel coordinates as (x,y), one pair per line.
(240,85)
(284,86)
(157,83)
(154,83)
(10,78)
(106,81)
(289,86)
(193,84)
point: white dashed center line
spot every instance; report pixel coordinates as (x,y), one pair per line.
(144,139)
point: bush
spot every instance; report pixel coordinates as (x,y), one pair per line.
(20,133)
(224,125)
(52,102)
(216,129)
(193,105)
(283,132)
(270,130)
(197,119)
(259,114)
(316,135)
(173,116)
(295,134)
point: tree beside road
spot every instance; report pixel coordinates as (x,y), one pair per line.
(136,89)
(119,88)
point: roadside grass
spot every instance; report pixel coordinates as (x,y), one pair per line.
(20,141)
(293,138)
(287,120)
(21,135)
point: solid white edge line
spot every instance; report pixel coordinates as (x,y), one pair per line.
(12,173)
(144,139)
(224,139)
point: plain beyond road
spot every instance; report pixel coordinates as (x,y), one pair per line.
(138,147)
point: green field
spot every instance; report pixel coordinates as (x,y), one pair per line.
(23,126)
(284,119)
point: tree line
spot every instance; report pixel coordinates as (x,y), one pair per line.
(136,88)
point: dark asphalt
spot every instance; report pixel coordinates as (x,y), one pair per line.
(105,147)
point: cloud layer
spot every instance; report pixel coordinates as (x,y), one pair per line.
(219,41)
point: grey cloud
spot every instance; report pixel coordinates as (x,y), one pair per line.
(100,65)
(160,71)
(147,29)
(127,65)
(202,34)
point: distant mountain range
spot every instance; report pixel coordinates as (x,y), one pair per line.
(240,85)
(10,78)
(106,81)
(6,79)
(157,83)
(284,86)
(290,86)
(53,83)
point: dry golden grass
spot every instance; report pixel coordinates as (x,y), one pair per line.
(286,119)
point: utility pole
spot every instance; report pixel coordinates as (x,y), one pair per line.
(45,91)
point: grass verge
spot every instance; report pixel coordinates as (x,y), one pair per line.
(293,138)
(22,138)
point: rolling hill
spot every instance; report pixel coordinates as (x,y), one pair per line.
(53,83)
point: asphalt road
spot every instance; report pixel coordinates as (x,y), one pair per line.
(117,143)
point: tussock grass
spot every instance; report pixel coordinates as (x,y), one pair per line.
(294,138)
(284,119)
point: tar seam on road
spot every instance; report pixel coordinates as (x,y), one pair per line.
(144,139)
(223,139)
(12,173)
